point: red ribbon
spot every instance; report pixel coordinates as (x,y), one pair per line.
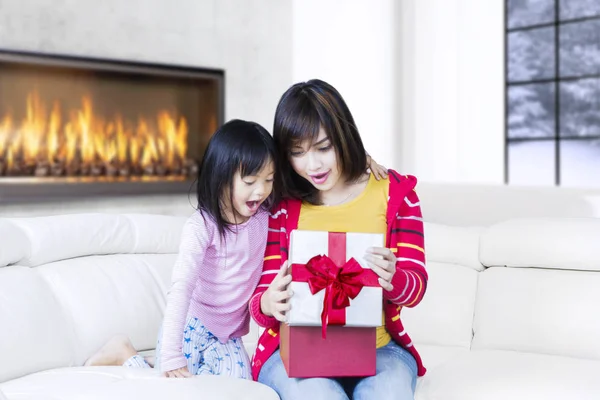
(340,283)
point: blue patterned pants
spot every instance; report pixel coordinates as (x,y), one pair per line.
(205,354)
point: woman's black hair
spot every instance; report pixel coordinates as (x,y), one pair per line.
(303,110)
(238,145)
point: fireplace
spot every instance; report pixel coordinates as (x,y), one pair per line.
(85,127)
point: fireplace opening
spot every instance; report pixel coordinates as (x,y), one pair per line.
(72,126)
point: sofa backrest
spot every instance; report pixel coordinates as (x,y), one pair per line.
(445,315)
(76,280)
(484,205)
(540,292)
(527,285)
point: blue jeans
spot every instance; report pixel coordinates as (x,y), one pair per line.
(396,378)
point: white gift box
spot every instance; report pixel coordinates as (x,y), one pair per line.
(366,310)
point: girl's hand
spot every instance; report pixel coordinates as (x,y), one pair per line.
(384,267)
(178,373)
(273,302)
(379,171)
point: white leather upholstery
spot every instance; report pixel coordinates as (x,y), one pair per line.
(13,243)
(502,375)
(484,205)
(117,383)
(34,335)
(525,326)
(570,243)
(445,318)
(111,294)
(74,282)
(453,245)
(539,311)
(96,234)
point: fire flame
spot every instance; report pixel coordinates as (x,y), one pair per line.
(87,138)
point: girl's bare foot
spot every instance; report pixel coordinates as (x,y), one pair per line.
(115,352)
(151,360)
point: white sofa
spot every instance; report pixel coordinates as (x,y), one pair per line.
(75,281)
(511,310)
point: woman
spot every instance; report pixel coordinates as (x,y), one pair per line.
(326,188)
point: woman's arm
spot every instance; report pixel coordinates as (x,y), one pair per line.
(408,242)
(268,302)
(402,270)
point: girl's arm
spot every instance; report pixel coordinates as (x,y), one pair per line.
(195,238)
(379,171)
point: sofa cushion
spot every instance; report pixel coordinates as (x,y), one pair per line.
(567,243)
(453,245)
(538,311)
(435,356)
(115,383)
(80,293)
(112,294)
(13,243)
(445,315)
(501,375)
(55,238)
(35,333)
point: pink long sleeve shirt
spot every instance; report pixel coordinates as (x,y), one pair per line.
(213,280)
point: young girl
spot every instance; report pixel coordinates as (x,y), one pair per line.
(219,263)
(326,189)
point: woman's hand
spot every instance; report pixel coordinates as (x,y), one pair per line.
(273,302)
(178,373)
(384,267)
(379,171)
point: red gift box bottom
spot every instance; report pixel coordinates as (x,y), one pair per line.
(346,351)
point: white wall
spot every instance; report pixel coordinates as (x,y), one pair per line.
(451,90)
(349,44)
(423,78)
(250,40)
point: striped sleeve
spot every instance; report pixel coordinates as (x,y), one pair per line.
(408,244)
(271,265)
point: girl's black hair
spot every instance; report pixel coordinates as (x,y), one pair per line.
(238,145)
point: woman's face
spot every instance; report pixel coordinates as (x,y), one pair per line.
(316,162)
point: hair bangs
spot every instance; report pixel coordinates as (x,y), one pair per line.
(302,123)
(254,158)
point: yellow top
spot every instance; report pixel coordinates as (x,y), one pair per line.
(365,213)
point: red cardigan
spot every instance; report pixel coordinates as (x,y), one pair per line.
(404,237)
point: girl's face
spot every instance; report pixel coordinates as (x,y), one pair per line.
(249,192)
(316,162)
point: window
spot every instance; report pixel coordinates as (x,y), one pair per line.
(553,92)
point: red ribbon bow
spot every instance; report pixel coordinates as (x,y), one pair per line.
(340,283)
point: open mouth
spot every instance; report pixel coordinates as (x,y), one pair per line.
(253,205)
(320,178)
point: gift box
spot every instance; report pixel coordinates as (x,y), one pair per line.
(346,352)
(336,306)
(331,264)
